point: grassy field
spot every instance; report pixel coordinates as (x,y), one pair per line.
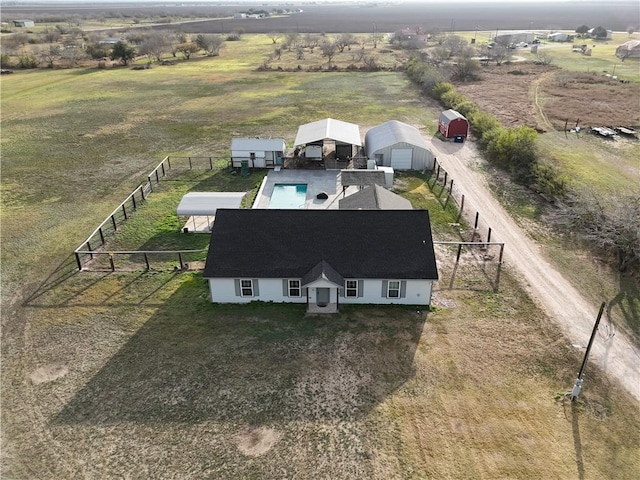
(137,374)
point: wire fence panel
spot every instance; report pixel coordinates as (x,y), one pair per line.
(144,260)
(90,250)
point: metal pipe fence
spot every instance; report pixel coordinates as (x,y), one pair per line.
(90,250)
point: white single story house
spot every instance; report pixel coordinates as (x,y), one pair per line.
(258,152)
(321,258)
(399,146)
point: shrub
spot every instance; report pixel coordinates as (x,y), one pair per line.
(27,60)
(441,88)
(452,98)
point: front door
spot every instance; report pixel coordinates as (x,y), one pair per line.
(322,297)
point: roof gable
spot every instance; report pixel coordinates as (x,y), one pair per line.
(391,133)
(328,128)
(258,144)
(290,243)
(374,197)
(451,115)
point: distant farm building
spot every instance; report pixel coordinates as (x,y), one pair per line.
(630,49)
(257,152)
(24,23)
(558,37)
(398,145)
(507,38)
(453,124)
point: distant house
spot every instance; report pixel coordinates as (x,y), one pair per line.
(630,49)
(591,31)
(24,23)
(374,197)
(453,124)
(109,41)
(398,145)
(321,258)
(258,152)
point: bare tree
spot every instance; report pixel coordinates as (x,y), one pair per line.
(154,45)
(311,41)
(438,55)
(210,43)
(73,55)
(454,43)
(345,40)
(299,53)
(274,36)
(277,53)
(329,50)
(291,40)
(376,37)
(187,49)
(50,55)
(544,58)
(500,54)
(610,224)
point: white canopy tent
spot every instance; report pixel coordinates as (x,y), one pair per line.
(201,208)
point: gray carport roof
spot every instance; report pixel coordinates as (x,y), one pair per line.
(391,133)
(207,203)
(328,128)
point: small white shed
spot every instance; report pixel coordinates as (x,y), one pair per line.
(398,145)
(201,208)
(258,152)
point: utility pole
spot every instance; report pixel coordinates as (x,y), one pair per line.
(578,385)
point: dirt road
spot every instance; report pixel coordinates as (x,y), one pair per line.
(617,356)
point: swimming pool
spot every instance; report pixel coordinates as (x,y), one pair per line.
(288,195)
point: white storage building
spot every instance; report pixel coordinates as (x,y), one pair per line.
(398,145)
(258,152)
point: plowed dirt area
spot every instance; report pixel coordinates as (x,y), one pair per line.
(546,97)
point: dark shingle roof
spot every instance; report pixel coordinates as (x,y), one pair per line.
(362,177)
(374,197)
(322,271)
(290,243)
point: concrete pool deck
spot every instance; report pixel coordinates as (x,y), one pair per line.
(317,181)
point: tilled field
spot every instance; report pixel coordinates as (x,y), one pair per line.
(545,97)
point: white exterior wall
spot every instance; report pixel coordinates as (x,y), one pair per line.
(418,292)
(422,158)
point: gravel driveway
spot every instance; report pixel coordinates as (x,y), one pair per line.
(617,356)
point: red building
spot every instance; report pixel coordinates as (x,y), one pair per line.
(453,124)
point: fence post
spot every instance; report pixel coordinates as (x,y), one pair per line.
(124,210)
(115,224)
(78,261)
(133,199)
(438,173)
(146,260)
(451,187)
(150,184)
(101,235)
(461,207)
(169,163)
(162,165)
(489,235)
(475,226)
(459,252)
(210,163)
(190,166)
(180,259)
(157,177)
(113,266)
(89,248)
(142,192)
(499,268)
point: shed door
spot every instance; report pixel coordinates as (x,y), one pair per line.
(401,158)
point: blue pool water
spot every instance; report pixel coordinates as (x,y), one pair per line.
(287,195)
